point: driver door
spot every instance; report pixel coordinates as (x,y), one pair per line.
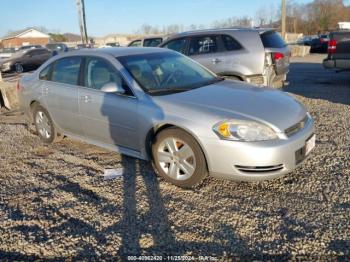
(109,118)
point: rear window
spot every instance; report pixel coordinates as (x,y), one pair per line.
(272,39)
(340,36)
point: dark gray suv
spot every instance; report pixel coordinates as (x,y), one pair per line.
(257,56)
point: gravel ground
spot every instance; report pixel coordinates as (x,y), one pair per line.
(55,204)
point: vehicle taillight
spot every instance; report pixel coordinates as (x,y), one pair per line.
(19,87)
(332,46)
(277,56)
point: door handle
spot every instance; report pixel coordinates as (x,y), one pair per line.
(216,60)
(86,98)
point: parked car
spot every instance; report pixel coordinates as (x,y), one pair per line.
(305,40)
(159,105)
(82,46)
(6,52)
(338,51)
(147,41)
(257,56)
(110,45)
(319,44)
(57,48)
(25,60)
(25,47)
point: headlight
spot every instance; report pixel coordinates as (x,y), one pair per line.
(243,130)
(6,65)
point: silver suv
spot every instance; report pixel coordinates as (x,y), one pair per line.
(257,56)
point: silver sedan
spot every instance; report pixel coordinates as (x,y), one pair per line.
(159,105)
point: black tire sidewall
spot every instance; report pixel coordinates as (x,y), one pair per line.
(50,140)
(201,170)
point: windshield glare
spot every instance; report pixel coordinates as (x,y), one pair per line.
(166,71)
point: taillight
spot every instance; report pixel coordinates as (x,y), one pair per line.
(19,87)
(277,56)
(332,46)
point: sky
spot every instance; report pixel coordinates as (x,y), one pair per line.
(122,16)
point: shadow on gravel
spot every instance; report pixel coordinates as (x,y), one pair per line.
(313,81)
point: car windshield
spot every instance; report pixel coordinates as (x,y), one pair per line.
(166,72)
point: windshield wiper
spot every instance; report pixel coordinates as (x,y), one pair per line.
(167,90)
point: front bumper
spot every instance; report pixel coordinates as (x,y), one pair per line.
(5,68)
(254,161)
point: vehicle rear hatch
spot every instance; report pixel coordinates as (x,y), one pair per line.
(339,45)
(277,49)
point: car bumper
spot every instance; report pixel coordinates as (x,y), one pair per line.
(254,161)
(328,63)
(340,64)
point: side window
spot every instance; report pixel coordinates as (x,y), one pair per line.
(230,44)
(66,70)
(45,73)
(135,43)
(203,45)
(178,45)
(99,72)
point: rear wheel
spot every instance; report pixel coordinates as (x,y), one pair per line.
(44,125)
(178,158)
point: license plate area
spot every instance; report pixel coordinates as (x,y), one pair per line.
(310,144)
(301,154)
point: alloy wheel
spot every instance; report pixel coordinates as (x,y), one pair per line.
(43,124)
(176,158)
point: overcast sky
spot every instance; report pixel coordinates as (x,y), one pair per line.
(117,16)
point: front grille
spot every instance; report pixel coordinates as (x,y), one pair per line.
(259,169)
(296,128)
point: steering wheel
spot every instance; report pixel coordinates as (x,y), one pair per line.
(175,74)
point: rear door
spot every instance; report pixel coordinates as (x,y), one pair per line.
(207,50)
(60,91)
(109,118)
(38,57)
(280,53)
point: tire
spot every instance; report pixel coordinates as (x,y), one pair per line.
(186,167)
(19,68)
(44,125)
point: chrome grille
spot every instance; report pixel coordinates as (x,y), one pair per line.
(297,127)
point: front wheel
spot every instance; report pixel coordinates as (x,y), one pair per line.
(44,125)
(19,68)
(178,158)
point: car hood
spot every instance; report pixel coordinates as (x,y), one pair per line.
(231,99)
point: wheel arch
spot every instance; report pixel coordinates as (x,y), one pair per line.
(153,132)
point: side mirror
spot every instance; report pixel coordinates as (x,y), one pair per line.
(113,88)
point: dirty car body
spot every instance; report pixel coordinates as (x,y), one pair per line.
(276,128)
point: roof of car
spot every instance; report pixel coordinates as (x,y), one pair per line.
(119,51)
(245,29)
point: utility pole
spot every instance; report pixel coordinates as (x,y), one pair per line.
(82,21)
(283,19)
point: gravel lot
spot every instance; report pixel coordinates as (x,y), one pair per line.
(55,204)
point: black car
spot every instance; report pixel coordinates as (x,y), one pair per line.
(23,60)
(319,44)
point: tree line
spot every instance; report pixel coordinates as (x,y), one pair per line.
(308,18)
